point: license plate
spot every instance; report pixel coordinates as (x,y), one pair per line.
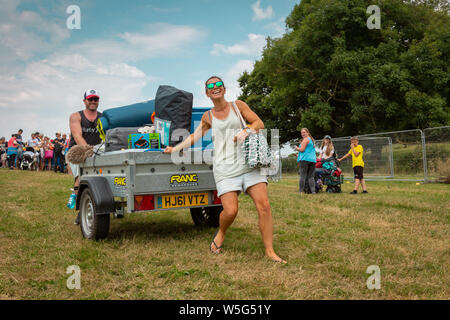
(182,200)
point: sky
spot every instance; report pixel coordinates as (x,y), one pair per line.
(125,50)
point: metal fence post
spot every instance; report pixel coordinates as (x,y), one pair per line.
(424,157)
(391,155)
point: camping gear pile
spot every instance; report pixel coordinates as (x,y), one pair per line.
(167,118)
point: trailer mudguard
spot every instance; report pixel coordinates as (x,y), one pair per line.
(101,192)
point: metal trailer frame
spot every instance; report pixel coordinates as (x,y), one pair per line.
(115,178)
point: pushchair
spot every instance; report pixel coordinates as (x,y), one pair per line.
(327,174)
(29,160)
(331,176)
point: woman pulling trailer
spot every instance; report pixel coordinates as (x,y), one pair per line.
(231,174)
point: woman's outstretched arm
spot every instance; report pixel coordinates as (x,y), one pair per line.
(199,132)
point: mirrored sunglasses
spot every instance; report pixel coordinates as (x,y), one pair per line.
(218,84)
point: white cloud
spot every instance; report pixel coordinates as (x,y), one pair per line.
(162,39)
(238,69)
(23,34)
(260,13)
(156,40)
(233,74)
(40,94)
(278,28)
(252,47)
(230,78)
(47,91)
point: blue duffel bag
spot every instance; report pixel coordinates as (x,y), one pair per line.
(135,115)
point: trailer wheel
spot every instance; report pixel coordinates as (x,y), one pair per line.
(93,226)
(206,216)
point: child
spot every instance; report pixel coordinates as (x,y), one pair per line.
(356,150)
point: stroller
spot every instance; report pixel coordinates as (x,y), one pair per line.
(29,159)
(327,173)
(331,176)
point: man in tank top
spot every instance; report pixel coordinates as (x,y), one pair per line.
(83,130)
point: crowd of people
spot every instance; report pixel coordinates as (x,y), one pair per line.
(46,153)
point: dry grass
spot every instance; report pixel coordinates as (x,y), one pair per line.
(441,169)
(329,241)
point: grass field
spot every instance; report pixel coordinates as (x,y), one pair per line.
(329,241)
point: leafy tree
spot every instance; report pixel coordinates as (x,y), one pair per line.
(333,75)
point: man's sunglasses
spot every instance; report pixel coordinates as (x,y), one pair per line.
(218,84)
(93,99)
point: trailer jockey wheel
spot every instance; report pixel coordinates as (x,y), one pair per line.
(93,226)
(206,216)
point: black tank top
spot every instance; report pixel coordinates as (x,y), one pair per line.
(89,129)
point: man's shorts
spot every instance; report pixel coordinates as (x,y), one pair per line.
(75,169)
(358,171)
(240,183)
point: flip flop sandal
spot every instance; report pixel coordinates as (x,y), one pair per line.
(217,251)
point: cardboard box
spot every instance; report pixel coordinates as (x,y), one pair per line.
(144,141)
(155,141)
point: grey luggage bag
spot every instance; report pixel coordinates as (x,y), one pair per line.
(117,138)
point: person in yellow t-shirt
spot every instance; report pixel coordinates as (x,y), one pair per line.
(356,151)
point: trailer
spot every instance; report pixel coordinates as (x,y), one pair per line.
(130,181)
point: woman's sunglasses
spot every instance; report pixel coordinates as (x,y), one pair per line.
(218,84)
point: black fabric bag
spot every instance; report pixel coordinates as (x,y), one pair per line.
(117,138)
(175,105)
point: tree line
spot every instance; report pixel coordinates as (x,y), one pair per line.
(332,74)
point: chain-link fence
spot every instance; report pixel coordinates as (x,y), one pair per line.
(412,155)
(406,152)
(437,153)
(378,156)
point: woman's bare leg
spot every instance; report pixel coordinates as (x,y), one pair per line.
(226,218)
(260,197)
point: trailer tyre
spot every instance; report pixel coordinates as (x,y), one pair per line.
(206,216)
(93,226)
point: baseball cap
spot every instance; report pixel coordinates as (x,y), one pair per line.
(91,93)
(327,137)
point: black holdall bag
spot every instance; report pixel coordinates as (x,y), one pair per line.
(117,138)
(174,105)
